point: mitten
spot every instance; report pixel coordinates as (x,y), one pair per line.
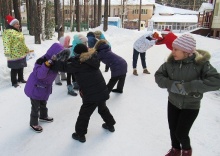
(178,88)
(174,88)
(63,55)
(181,88)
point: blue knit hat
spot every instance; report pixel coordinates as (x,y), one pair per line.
(53,50)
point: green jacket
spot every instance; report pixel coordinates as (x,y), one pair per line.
(14,44)
(196,73)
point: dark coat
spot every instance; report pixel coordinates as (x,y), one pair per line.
(88,76)
(117,64)
(196,73)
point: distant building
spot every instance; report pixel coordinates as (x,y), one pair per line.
(173,18)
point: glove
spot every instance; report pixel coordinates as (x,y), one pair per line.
(178,88)
(49,63)
(149,38)
(63,55)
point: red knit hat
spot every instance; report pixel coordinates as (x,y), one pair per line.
(165,31)
(11,20)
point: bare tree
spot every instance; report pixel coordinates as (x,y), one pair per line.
(30,16)
(95,13)
(5,10)
(71,15)
(86,14)
(105,24)
(17,14)
(58,18)
(99,12)
(43,7)
(49,21)
(37,21)
(77,15)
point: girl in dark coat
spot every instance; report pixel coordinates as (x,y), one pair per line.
(92,88)
(39,87)
(186,75)
(117,65)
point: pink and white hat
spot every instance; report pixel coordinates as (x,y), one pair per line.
(185,43)
(165,31)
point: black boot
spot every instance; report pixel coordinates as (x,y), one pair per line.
(79,138)
(117,91)
(110,128)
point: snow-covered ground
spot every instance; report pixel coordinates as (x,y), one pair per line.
(140,112)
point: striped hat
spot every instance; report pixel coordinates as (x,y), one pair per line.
(185,43)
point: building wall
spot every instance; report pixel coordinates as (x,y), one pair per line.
(216,16)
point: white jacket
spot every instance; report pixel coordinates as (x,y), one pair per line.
(142,44)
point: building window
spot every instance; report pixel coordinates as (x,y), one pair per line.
(143,11)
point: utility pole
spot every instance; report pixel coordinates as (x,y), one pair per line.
(139,21)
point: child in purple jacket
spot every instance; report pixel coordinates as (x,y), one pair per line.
(117,65)
(39,87)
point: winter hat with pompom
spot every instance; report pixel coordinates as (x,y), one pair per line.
(11,20)
(185,43)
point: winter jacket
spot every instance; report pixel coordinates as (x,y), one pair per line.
(168,40)
(91,39)
(117,64)
(39,83)
(142,44)
(196,73)
(15,48)
(92,85)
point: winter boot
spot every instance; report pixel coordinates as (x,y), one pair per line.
(79,138)
(117,91)
(75,85)
(110,128)
(135,72)
(174,152)
(37,128)
(145,71)
(71,91)
(186,152)
(47,119)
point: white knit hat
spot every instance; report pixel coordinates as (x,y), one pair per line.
(185,43)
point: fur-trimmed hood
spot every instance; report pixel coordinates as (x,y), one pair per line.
(87,55)
(99,43)
(201,56)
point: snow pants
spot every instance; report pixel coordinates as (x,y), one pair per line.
(85,113)
(180,122)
